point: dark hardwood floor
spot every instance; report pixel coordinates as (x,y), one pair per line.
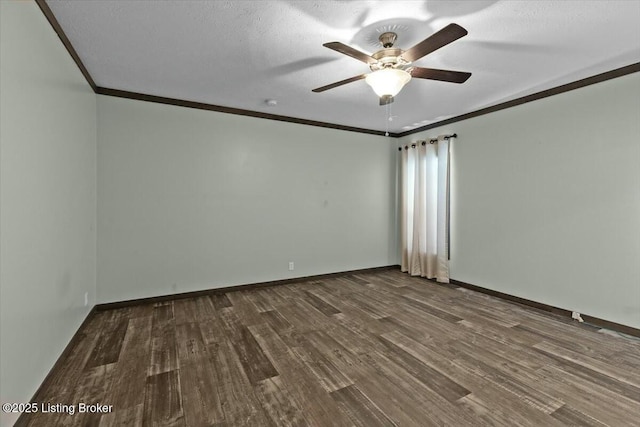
(365,350)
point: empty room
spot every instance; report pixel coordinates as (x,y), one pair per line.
(319,213)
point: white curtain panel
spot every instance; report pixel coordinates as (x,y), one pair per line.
(425,209)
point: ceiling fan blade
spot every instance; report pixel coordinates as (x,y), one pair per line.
(442,75)
(340,83)
(348,50)
(434,42)
(386,99)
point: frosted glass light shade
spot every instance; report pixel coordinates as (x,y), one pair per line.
(388,81)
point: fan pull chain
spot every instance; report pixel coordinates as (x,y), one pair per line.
(388,119)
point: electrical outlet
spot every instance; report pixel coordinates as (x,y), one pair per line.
(290,265)
(86,299)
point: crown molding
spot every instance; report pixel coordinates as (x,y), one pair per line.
(229,110)
(44,7)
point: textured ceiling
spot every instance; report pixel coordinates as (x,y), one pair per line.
(241,53)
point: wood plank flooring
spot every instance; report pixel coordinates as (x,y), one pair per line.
(379,349)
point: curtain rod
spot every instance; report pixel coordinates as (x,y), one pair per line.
(431,141)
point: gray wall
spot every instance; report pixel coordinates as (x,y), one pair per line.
(191,199)
(47,200)
(546,200)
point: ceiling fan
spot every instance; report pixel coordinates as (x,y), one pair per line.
(391,67)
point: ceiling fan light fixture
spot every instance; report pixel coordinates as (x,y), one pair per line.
(388,81)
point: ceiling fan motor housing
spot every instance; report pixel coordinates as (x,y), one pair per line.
(388,58)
